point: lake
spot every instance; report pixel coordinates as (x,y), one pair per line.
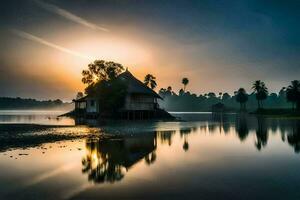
(203,156)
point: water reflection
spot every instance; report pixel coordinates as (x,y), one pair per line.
(166,136)
(201,154)
(294,137)
(107,160)
(184,134)
(242,127)
(221,121)
(47,117)
(261,133)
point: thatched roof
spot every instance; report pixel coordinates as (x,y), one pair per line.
(135,86)
(82,99)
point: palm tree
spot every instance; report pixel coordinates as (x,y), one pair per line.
(220,95)
(242,98)
(185,81)
(293,93)
(150,81)
(162,92)
(261,92)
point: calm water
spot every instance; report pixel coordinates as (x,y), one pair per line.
(48,117)
(205,157)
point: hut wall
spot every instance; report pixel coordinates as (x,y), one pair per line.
(91,105)
(139,102)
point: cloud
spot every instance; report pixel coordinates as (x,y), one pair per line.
(70,16)
(34,38)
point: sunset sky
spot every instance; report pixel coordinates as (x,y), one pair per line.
(219,45)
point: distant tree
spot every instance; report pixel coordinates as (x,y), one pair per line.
(79,95)
(261,92)
(169,91)
(181,92)
(273,96)
(201,97)
(220,95)
(226,96)
(282,93)
(185,81)
(165,92)
(242,98)
(150,81)
(57,102)
(293,94)
(101,70)
(211,95)
(162,92)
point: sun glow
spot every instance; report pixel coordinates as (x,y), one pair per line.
(126,52)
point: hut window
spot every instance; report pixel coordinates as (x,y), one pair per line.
(92,103)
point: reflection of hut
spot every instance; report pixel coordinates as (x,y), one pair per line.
(107,159)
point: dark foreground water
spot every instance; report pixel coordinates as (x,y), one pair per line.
(206,157)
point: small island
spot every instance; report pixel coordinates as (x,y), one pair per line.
(113,93)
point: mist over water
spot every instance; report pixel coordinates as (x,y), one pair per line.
(46,117)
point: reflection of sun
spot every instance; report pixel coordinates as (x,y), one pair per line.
(94,159)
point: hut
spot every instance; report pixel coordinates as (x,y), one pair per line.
(140,101)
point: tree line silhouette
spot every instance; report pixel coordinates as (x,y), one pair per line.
(101,77)
(185,101)
(259,98)
(22,103)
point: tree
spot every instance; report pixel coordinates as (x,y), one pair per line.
(162,92)
(57,102)
(220,95)
(293,94)
(110,94)
(226,96)
(211,95)
(101,70)
(150,81)
(185,81)
(181,92)
(261,92)
(169,91)
(102,83)
(242,98)
(79,95)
